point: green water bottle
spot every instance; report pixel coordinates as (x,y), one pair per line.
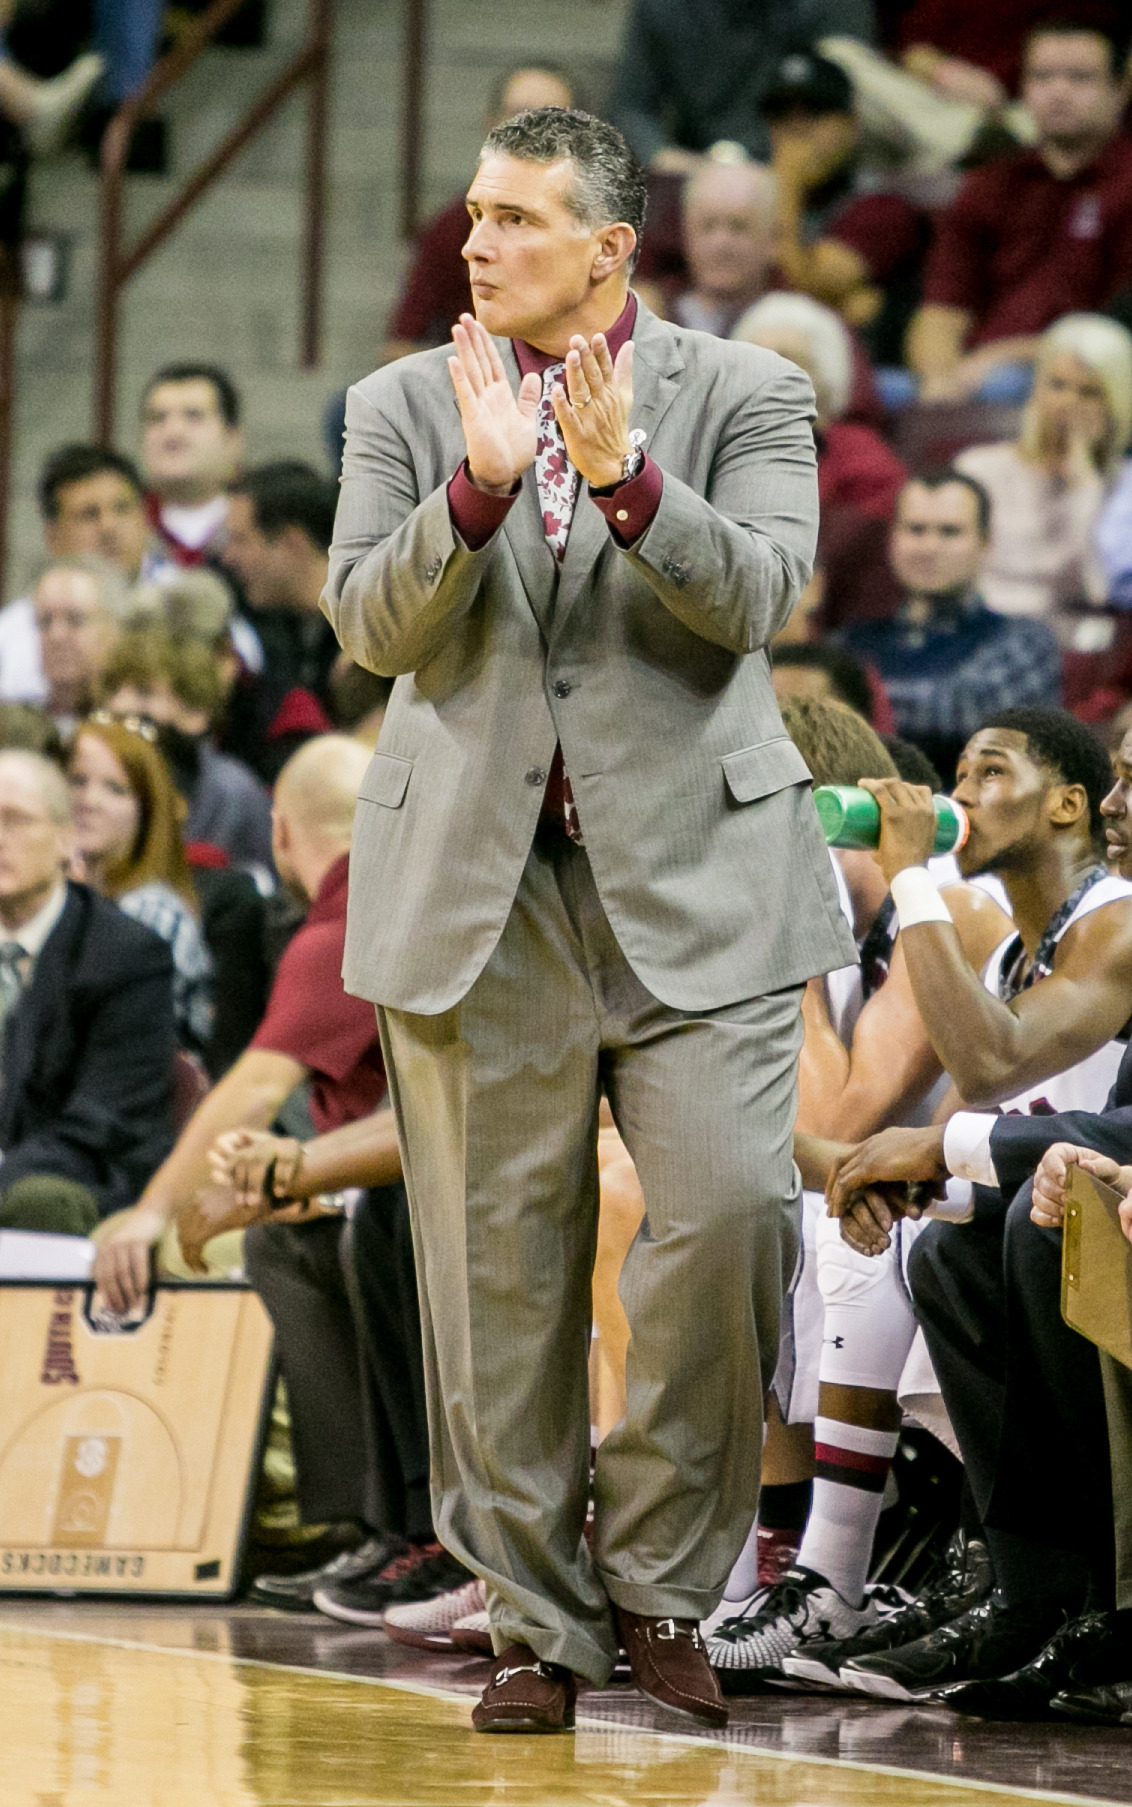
(850,817)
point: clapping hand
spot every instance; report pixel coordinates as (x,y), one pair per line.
(593,409)
(500,429)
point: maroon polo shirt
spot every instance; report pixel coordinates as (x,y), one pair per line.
(629,508)
(311,1018)
(1019,247)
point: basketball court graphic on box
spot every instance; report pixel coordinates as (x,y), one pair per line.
(128,1455)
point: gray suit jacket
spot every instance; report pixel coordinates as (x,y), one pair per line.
(647,664)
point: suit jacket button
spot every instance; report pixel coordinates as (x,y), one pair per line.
(562,688)
(536,775)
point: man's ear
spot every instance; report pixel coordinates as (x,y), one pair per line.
(1068,804)
(616,245)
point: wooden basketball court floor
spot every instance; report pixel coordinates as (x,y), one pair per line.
(109,1705)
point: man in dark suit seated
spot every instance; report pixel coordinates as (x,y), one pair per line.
(86,1024)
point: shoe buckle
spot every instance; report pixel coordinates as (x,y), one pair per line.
(505,1675)
(668,1630)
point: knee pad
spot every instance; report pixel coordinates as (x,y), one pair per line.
(868,1322)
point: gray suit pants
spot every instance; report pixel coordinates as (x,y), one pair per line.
(497,1102)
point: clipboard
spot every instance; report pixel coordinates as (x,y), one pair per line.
(1096,1266)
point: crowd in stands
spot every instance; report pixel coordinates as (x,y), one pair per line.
(929,209)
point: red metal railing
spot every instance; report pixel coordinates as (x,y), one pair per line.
(117,264)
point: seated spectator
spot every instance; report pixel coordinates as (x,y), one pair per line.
(82,604)
(691,74)
(435,290)
(176,685)
(857,469)
(1047,490)
(845,236)
(87,1011)
(946,659)
(333,1047)
(280,525)
(1037,235)
(91,499)
(128,840)
(729,243)
(192,446)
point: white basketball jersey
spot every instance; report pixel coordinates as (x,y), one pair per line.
(1085,1086)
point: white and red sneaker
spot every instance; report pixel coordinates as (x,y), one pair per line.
(428,1623)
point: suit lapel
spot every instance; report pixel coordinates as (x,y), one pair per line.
(523,529)
(657,365)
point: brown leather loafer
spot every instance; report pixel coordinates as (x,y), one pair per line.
(670,1665)
(526,1695)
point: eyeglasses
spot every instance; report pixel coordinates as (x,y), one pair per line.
(133,724)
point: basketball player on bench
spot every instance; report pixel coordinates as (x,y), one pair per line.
(1015,1379)
(866,1062)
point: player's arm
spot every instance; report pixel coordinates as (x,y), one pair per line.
(891,1063)
(993,1050)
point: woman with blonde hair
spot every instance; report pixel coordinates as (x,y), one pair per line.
(1047,488)
(128,819)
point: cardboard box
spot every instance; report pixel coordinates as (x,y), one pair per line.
(129,1456)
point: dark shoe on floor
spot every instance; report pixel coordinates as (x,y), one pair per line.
(964,1579)
(421,1571)
(526,1695)
(1081,1652)
(987,1641)
(669,1662)
(1103,1705)
(295,1593)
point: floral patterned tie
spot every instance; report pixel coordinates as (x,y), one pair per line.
(558,483)
(555,476)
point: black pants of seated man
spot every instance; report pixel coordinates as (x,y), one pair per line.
(44,1201)
(342,1296)
(1025,1397)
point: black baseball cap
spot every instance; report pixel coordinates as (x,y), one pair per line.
(805,83)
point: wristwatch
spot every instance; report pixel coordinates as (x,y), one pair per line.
(632,464)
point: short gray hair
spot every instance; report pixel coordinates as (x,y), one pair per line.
(609,183)
(54,790)
(115,596)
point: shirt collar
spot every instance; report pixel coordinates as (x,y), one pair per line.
(529,360)
(329,903)
(32,935)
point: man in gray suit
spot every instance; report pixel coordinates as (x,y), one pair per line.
(585,858)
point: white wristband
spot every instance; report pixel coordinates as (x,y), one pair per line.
(916,898)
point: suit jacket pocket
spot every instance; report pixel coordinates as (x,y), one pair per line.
(386,780)
(755,772)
